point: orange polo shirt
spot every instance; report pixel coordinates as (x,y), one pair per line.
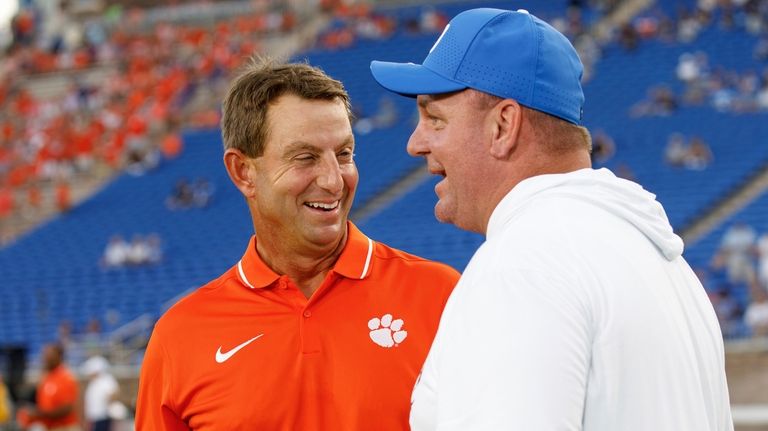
(56,389)
(249,351)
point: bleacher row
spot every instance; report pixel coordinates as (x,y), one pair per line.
(53,273)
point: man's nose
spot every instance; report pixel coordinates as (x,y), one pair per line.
(416,144)
(329,177)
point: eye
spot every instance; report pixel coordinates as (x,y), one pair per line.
(305,157)
(433,121)
(346,155)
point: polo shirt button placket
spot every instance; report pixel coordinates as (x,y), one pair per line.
(310,333)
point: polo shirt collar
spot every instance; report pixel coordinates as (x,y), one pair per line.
(252,271)
(354,261)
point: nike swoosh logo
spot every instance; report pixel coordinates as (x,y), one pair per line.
(222,357)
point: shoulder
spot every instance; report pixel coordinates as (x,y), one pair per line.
(61,379)
(411,265)
(186,310)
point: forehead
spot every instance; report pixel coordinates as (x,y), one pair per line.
(445,101)
(293,118)
(299,108)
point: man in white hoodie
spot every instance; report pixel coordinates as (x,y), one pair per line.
(579,311)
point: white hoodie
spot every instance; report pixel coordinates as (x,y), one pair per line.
(577,313)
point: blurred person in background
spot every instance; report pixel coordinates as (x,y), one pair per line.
(736,253)
(317,327)
(102,390)
(756,315)
(57,395)
(116,253)
(578,311)
(5,404)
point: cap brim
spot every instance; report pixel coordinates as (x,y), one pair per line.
(410,79)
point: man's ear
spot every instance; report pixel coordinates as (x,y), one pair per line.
(239,171)
(506,118)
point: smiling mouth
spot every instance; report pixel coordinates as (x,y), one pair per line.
(437,171)
(323,206)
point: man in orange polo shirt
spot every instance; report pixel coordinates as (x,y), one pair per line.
(57,394)
(317,327)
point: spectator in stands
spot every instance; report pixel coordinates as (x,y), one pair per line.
(699,155)
(676,150)
(63,196)
(324,300)
(172,144)
(65,335)
(141,156)
(628,37)
(761,248)
(534,321)
(735,253)
(102,390)
(728,311)
(756,316)
(138,251)
(187,195)
(182,196)
(116,253)
(689,25)
(92,339)
(7,205)
(57,395)
(432,20)
(34,198)
(623,170)
(202,191)
(694,155)
(603,147)
(762,93)
(661,101)
(689,67)
(154,248)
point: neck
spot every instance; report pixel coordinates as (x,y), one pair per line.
(307,268)
(532,167)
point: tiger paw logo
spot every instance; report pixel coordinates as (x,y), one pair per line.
(387,332)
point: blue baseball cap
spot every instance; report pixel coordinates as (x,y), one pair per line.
(510,54)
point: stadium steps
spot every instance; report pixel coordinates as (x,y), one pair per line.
(730,205)
(376,204)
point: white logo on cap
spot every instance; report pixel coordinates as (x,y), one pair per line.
(440,38)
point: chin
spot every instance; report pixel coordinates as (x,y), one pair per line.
(442,215)
(327,235)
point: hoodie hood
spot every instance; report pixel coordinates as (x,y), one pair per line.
(601,188)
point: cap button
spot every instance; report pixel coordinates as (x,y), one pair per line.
(523,11)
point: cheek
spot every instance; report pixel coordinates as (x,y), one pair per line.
(350,177)
(293,181)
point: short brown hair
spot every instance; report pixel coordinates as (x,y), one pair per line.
(557,135)
(261,82)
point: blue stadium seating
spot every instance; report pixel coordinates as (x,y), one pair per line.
(623,78)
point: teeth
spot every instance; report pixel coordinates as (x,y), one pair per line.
(320,205)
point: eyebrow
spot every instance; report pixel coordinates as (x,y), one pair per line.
(427,105)
(297,146)
(424,101)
